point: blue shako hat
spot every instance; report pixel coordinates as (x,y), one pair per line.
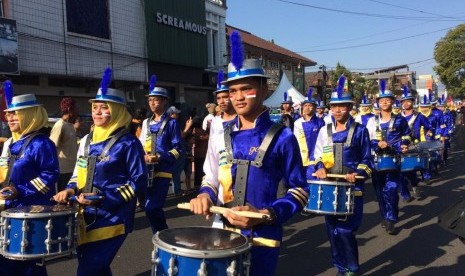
(383,93)
(406,95)
(286,99)
(156,91)
(107,94)
(341,96)
(309,98)
(424,101)
(376,106)
(17,102)
(397,104)
(239,68)
(365,101)
(320,103)
(442,101)
(220,87)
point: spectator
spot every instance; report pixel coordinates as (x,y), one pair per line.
(200,150)
(208,119)
(135,127)
(63,136)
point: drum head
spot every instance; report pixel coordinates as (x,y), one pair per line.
(201,242)
(39,211)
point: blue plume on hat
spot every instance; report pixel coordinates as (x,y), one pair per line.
(442,98)
(8,91)
(430,97)
(153,82)
(219,78)
(425,99)
(310,93)
(405,89)
(364,99)
(285,96)
(106,80)
(237,57)
(382,86)
(340,86)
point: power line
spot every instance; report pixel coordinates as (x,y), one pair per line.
(371,14)
(377,68)
(373,43)
(410,9)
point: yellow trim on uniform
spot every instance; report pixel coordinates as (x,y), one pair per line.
(123,193)
(131,190)
(208,185)
(175,153)
(364,168)
(100,233)
(300,197)
(303,149)
(39,185)
(312,162)
(265,242)
(162,174)
(2,204)
(437,136)
(407,138)
(358,193)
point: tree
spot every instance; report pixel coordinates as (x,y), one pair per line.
(449,54)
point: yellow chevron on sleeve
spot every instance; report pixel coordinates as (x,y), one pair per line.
(364,168)
(175,153)
(300,197)
(123,193)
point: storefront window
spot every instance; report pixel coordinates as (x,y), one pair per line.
(88,17)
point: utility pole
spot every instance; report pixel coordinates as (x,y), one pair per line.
(325,79)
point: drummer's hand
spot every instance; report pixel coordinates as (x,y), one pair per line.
(8,192)
(81,199)
(350,177)
(150,158)
(62,197)
(244,222)
(382,144)
(429,133)
(403,148)
(201,205)
(321,173)
(443,139)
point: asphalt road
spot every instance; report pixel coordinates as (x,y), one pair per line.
(420,248)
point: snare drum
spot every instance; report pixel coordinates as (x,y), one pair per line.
(200,251)
(37,231)
(386,163)
(331,197)
(435,150)
(414,162)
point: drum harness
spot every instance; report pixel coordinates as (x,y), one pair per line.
(242,172)
(338,167)
(153,146)
(92,162)
(14,158)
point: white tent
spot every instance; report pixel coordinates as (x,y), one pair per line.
(277,97)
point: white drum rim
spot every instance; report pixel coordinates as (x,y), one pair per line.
(200,254)
(23,257)
(24,215)
(329,213)
(330,183)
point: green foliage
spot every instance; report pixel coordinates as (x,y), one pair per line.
(449,54)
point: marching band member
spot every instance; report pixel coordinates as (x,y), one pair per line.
(111,167)
(161,138)
(234,165)
(396,107)
(29,168)
(286,107)
(306,130)
(418,125)
(376,110)
(447,127)
(343,147)
(433,135)
(320,108)
(390,134)
(365,112)
(228,114)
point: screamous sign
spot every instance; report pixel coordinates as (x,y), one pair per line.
(181,24)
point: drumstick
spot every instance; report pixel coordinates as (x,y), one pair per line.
(73,198)
(333,175)
(222,210)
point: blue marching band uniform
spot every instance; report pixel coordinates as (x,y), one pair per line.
(395,132)
(28,166)
(419,126)
(161,138)
(343,152)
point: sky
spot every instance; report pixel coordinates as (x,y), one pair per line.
(362,35)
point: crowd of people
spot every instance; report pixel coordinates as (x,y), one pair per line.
(240,157)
